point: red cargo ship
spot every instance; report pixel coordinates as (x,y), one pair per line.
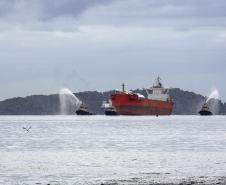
(158,101)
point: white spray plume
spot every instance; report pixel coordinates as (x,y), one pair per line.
(213,101)
(213,95)
(69,103)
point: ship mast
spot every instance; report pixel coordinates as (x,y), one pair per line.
(123,87)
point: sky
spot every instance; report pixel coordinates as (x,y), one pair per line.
(82,45)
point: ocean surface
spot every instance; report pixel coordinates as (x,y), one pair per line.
(66,150)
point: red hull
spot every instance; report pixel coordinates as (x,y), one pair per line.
(131,104)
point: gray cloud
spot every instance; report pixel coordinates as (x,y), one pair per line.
(46,9)
(185,8)
(177,8)
(47,44)
(173,13)
(68,15)
(58,8)
(113,9)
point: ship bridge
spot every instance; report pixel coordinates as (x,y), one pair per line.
(158,92)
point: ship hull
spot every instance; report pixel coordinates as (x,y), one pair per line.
(131,104)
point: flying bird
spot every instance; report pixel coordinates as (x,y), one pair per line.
(27,128)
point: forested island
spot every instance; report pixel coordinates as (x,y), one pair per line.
(185,103)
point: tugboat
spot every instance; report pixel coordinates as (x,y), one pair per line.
(205,110)
(109,109)
(83,110)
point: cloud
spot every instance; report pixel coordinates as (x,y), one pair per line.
(68,7)
(47,9)
(43,41)
(171,13)
(68,14)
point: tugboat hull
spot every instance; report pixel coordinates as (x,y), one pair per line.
(83,113)
(111,113)
(205,113)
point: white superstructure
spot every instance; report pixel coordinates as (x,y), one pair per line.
(158,92)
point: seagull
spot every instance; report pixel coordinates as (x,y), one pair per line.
(27,129)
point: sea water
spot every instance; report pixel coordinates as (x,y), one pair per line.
(123,150)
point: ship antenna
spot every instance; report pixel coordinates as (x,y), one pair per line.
(158,83)
(158,78)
